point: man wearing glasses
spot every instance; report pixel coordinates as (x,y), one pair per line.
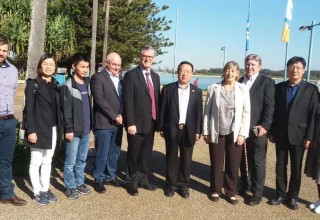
(141,90)
(292,129)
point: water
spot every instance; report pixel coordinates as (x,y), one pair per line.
(204,81)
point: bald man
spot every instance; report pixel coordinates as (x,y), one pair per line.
(106,90)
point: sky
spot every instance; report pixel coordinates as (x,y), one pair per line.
(204,26)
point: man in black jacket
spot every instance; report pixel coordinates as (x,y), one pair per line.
(261,90)
(108,123)
(292,129)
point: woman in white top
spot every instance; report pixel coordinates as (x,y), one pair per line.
(225,128)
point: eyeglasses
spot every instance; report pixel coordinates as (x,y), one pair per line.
(48,64)
(146,56)
(295,67)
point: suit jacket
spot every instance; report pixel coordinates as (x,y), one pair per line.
(262,101)
(169,113)
(137,100)
(38,113)
(106,101)
(297,124)
(241,117)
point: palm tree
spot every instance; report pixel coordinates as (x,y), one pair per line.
(37,36)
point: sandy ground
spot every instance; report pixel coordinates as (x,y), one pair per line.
(117,204)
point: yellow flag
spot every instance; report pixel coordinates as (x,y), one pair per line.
(286,27)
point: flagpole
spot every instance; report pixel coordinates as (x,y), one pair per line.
(285,62)
(175,46)
(248,29)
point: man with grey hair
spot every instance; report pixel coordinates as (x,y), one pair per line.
(8,123)
(106,90)
(141,91)
(262,101)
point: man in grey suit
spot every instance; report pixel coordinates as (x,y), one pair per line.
(107,109)
(261,90)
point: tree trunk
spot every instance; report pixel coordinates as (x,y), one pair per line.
(106,29)
(94,37)
(37,36)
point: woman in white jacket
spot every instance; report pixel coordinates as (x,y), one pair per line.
(225,128)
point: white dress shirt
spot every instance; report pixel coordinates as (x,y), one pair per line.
(249,81)
(184,94)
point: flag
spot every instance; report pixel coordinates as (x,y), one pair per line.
(287,21)
(248,27)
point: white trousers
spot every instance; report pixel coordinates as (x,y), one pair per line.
(40,166)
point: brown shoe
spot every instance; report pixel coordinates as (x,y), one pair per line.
(14,200)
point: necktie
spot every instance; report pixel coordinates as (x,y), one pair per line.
(150,86)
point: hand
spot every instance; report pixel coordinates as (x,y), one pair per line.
(197,137)
(306,144)
(119,120)
(161,134)
(132,129)
(240,140)
(272,138)
(207,138)
(69,136)
(32,138)
(262,131)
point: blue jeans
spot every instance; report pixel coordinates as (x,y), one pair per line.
(75,161)
(108,146)
(7,146)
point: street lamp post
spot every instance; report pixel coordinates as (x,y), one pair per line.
(310,28)
(224,49)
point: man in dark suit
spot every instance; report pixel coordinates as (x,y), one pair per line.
(108,123)
(141,90)
(180,125)
(292,129)
(262,106)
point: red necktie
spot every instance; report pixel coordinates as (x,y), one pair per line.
(154,114)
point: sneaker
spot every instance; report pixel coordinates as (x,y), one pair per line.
(317,210)
(315,205)
(72,193)
(83,189)
(50,196)
(41,199)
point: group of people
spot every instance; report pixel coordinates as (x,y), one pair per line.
(239,116)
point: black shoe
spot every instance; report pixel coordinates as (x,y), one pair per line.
(115,182)
(276,201)
(148,186)
(185,193)
(232,200)
(254,200)
(132,191)
(214,197)
(169,192)
(242,192)
(99,187)
(292,204)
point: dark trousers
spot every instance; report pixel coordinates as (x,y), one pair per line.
(7,146)
(138,155)
(178,172)
(228,153)
(256,155)
(283,149)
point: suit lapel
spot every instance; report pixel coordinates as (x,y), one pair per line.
(256,83)
(299,93)
(191,99)
(176,97)
(142,80)
(107,76)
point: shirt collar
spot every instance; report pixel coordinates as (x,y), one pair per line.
(253,77)
(111,75)
(5,65)
(180,87)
